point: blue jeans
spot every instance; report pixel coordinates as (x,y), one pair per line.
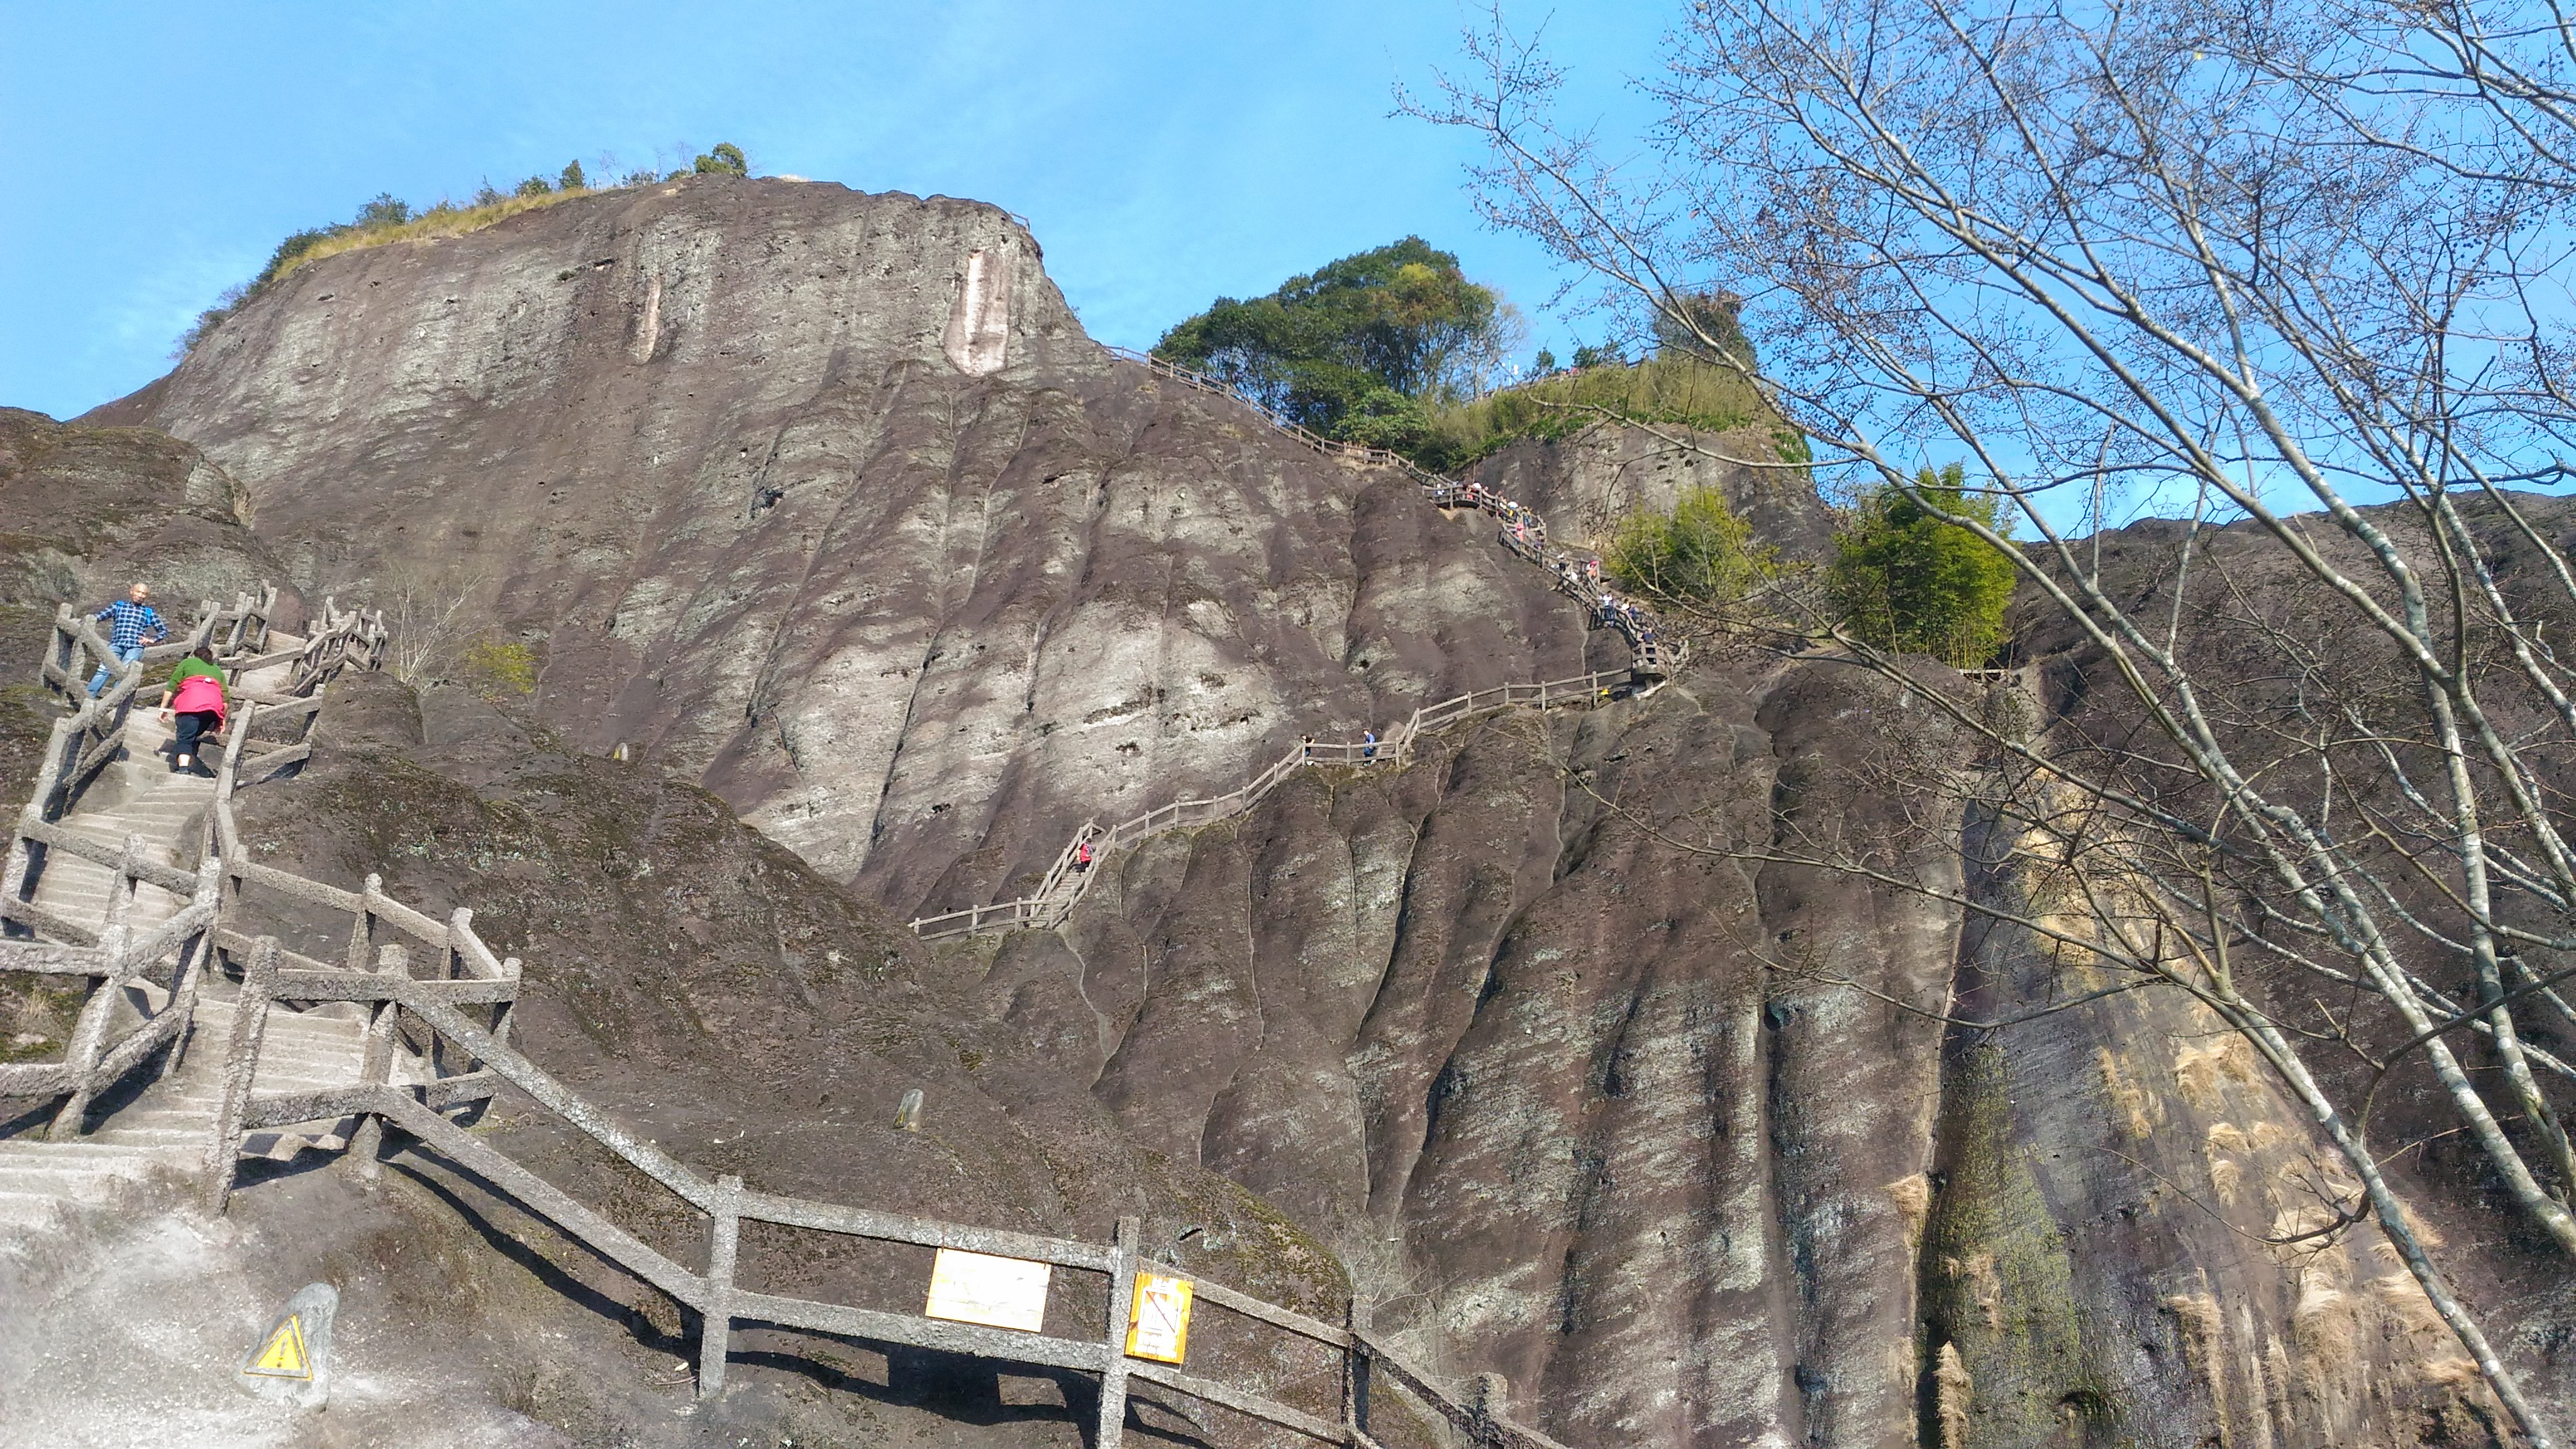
(125,654)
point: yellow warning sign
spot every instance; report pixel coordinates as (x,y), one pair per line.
(1158,1325)
(284,1357)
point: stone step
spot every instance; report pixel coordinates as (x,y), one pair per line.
(187,1139)
(29,1210)
(305,1079)
(161,1113)
(72,1182)
(79,1152)
(310,1046)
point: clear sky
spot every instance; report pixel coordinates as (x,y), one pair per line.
(1165,153)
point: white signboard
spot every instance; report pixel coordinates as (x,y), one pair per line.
(980,1288)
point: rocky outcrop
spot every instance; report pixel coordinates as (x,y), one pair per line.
(824,502)
(1584,484)
(711,448)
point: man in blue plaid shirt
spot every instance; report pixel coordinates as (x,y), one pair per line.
(131,624)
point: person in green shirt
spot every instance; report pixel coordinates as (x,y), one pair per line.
(195,698)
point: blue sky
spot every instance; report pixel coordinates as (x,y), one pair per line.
(1166,154)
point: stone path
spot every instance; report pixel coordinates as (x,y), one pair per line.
(168,1127)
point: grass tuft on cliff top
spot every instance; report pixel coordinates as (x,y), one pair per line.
(443,220)
(389,219)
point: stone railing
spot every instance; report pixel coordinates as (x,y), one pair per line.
(1063,885)
(114,962)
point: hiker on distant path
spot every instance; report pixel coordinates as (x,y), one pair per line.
(1082,857)
(132,623)
(1368,744)
(1308,747)
(196,699)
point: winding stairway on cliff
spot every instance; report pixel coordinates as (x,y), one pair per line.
(200,1039)
(1522,532)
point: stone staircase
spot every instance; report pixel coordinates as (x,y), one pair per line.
(166,1128)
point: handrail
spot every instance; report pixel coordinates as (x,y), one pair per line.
(1524,534)
(119,956)
(440,1007)
(1055,899)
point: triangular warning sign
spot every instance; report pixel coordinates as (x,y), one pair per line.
(284,1357)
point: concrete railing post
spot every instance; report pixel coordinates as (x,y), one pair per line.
(241,1065)
(362,928)
(1355,1374)
(505,1013)
(1122,1296)
(1490,1406)
(376,1067)
(196,954)
(89,1033)
(715,1326)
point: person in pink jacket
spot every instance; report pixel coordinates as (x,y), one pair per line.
(195,699)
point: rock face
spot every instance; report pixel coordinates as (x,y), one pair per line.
(1589,1093)
(824,501)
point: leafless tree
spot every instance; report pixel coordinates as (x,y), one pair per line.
(2292,275)
(432,612)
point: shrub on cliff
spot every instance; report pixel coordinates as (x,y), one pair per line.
(496,668)
(726,159)
(1677,391)
(1700,556)
(1355,349)
(1906,581)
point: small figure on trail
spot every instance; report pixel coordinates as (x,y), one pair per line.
(1306,748)
(1368,744)
(196,698)
(1082,857)
(132,623)
(1592,568)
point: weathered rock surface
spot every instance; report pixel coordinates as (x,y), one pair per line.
(1577,1084)
(1670,1137)
(707,446)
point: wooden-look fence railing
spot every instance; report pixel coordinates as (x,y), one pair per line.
(722,1302)
(1062,887)
(430,1024)
(112,960)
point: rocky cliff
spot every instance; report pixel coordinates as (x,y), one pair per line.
(824,502)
